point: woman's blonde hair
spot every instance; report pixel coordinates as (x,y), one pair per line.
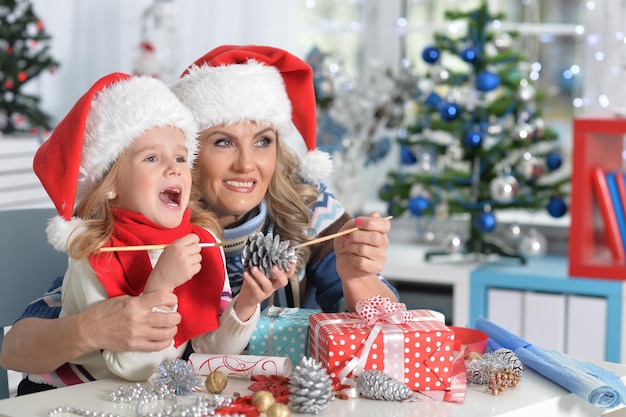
(97,226)
(288,200)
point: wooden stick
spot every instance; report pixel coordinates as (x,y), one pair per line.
(334,235)
(150,247)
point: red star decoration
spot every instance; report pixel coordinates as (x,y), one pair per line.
(277,385)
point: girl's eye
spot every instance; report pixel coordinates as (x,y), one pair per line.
(151,159)
(181,159)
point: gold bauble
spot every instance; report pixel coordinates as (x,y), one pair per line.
(278,410)
(216,382)
(262,400)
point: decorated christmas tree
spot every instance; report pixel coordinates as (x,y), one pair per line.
(24,55)
(477,143)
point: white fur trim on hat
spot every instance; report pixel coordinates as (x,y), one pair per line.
(59,231)
(231,94)
(315,166)
(122,112)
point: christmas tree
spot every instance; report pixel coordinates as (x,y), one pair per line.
(477,143)
(24,55)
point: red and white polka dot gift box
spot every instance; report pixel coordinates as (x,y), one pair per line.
(413,346)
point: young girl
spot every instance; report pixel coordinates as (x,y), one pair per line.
(118,169)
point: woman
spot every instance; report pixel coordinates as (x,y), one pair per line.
(276,192)
(246,100)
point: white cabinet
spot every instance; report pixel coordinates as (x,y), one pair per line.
(581,317)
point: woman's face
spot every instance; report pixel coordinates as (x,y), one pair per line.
(236,164)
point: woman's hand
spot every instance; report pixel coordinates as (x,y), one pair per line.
(143,330)
(178,263)
(361,255)
(257,287)
(362,252)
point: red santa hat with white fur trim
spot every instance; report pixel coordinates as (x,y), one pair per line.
(82,148)
(233,84)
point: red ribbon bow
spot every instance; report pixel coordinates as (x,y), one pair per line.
(381,309)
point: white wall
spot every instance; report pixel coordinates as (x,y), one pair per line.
(93,37)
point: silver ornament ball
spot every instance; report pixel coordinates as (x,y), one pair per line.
(533,244)
(504,188)
(526,92)
(530,167)
(453,243)
(513,233)
(522,132)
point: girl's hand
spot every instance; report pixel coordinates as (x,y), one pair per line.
(178,263)
(257,287)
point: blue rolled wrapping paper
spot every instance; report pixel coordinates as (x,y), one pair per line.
(595,384)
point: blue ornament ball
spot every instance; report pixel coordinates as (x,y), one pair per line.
(449,111)
(469,55)
(554,160)
(487,81)
(557,207)
(418,204)
(473,138)
(432,100)
(407,157)
(430,54)
(486,222)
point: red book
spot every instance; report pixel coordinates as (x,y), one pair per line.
(611,227)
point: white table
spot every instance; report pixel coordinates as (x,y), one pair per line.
(534,396)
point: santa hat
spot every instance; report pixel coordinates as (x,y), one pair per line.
(102,124)
(233,84)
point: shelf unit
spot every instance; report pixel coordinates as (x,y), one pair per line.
(598,142)
(538,301)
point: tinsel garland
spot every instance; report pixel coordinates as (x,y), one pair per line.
(173,382)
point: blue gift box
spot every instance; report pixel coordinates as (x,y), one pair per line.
(282,332)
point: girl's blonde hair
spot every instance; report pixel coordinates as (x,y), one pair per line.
(288,200)
(97,226)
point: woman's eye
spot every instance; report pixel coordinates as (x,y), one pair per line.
(222,142)
(264,142)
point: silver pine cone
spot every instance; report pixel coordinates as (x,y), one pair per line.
(265,251)
(310,387)
(380,386)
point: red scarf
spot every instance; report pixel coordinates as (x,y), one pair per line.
(127,272)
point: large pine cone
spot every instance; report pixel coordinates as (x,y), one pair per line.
(266,251)
(310,387)
(380,386)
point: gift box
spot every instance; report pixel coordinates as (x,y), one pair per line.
(282,331)
(417,350)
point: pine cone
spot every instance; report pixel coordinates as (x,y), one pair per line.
(480,368)
(266,251)
(310,387)
(380,386)
(509,360)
